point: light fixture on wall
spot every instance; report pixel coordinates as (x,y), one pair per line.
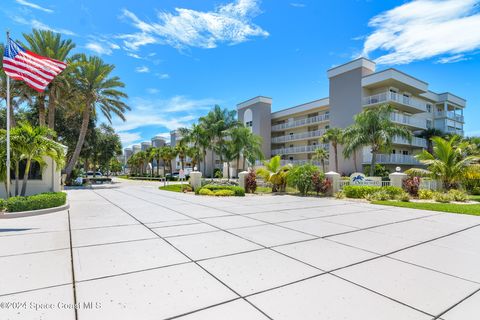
(398,169)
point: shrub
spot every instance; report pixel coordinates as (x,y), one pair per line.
(412,185)
(458,195)
(217,173)
(359,192)
(300,177)
(205,192)
(404,197)
(471,180)
(380,195)
(339,195)
(238,191)
(380,170)
(251,182)
(320,183)
(476,191)
(3,204)
(425,194)
(36,202)
(442,197)
(394,191)
(224,193)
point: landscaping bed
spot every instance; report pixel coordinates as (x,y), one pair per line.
(177,188)
(221,190)
(34,202)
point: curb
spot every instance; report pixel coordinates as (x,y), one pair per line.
(22,214)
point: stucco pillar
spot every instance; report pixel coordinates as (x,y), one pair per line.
(242,179)
(396,179)
(335,179)
(195,179)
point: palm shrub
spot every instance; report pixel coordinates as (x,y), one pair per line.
(449,161)
(300,177)
(471,179)
(320,183)
(425,194)
(275,174)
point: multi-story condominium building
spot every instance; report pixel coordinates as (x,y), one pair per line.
(293,133)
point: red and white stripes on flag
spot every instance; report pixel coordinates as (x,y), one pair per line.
(35,70)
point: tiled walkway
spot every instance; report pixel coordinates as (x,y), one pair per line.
(134,252)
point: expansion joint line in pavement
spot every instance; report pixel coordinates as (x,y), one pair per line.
(322,272)
(193,261)
(331,271)
(72,266)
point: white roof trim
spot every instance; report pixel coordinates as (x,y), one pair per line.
(249,102)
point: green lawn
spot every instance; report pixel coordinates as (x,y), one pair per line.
(174,187)
(472,209)
(475,198)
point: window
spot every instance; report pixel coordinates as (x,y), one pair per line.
(291,158)
(327,127)
(34,174)
(429,124)
(291,133)
(291,146)
(405,152)
(393,151)
(429,108)
(249,124)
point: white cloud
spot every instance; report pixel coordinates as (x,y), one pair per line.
(163,76)
(152,90)
(40,25)
(298,4)
(142,69)
(101,48)
(134,55)
(230,23)
(33,5)
(129,138)
(172,113)
(424,29)
(453,59)
(165,135)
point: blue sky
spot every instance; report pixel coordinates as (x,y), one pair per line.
(179,58)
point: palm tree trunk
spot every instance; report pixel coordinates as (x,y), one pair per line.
(213,164)
(25,178)
(81,140)
(238,165)
(41,109)
(355,160)
(51,109)
(336,156)
(205,162)
(17,178)
(372,163)
(323,165)
(158,167)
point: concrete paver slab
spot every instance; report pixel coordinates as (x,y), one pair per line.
(270,235)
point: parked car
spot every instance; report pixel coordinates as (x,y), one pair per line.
(91,174)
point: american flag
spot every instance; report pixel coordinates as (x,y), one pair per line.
(35,70)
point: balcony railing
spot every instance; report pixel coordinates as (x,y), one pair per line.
(299,136)
(455,131)
(408,120)
(386,97)
(295,162)
(301,122)
(299,149)
(416,142)
(449,115)
(391,159)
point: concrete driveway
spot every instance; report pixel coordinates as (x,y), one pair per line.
(130,251)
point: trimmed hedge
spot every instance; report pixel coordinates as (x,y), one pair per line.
(361,192)
(238,191)
(36,202)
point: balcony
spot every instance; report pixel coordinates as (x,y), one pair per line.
(416,142)
(391,159)
(299,136)
(301,122)
(455,131)
(408,121)
(449,115)
(298,149)
(408,104)
(259,163)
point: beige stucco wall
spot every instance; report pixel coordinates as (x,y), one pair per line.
(51,181)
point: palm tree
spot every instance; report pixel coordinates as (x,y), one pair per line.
(245,144)
(335,137)
(217,122)
(320,155)
(168,154)
(98,90)
(34,145)
(448,162)
(195,154)
(155,155)
(198,136)
(50,44)
(428,134)
(181,150)
(373,128)
(275,173)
